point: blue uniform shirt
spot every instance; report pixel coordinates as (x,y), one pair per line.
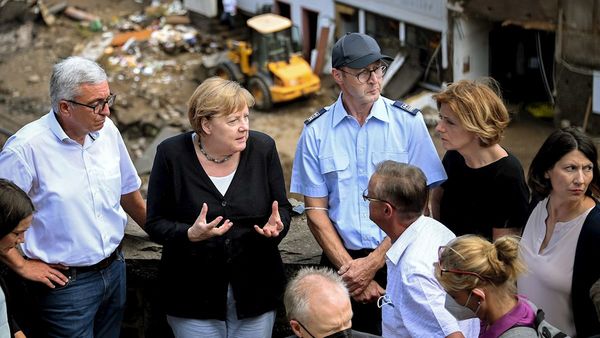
(336,156)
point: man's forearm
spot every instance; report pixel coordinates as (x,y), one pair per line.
(378,255)
(135,206)
(322,229)
(324,232)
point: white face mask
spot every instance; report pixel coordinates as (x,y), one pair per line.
(460,312)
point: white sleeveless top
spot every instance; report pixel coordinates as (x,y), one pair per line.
(222,183)
(4,328)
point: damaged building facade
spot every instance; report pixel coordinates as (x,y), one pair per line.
(543,53)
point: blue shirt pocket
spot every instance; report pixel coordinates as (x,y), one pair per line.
(335,168)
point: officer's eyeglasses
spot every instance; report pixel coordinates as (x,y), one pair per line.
(98,107)
(364,75)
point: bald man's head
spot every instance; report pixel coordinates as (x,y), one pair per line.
(316,300)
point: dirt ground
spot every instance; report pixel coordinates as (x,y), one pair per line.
(145,103)
(142,100)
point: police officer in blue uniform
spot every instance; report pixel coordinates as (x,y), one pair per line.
(335,157)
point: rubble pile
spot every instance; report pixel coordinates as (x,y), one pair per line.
(149,54)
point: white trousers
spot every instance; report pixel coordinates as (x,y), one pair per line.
(232,327)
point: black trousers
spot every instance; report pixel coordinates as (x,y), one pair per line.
(367,317)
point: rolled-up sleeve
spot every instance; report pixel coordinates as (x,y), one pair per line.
(130,181)
(306,173)
(422,153)
(14,168)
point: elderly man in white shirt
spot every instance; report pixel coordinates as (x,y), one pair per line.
(74,166)
(414,302)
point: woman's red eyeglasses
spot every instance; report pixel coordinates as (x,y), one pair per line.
(443,270)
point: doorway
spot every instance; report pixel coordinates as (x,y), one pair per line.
(309,32)
(521,60)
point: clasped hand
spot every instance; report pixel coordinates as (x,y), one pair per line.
(358,274)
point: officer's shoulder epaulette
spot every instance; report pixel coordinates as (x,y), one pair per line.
(406,107)
(316,115)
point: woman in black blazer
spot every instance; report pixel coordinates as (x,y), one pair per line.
(217,203)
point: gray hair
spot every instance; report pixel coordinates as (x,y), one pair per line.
(69,74)
(402,185)
(304,283)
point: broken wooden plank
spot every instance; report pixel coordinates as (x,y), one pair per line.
(121,38)
(78,14)
(47,16)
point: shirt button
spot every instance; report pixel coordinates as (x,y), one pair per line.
(227,241)
(223,203)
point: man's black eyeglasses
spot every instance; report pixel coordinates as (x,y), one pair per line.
(364,75)
(366,197)
(343,333)
(98,107)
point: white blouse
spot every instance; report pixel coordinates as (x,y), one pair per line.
(547,283)
(222,183)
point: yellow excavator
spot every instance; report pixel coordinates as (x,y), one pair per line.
(270,66)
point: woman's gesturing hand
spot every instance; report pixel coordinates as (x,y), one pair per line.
(201,230)
(274,224)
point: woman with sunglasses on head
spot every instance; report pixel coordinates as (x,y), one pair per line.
(16,212)
(561,241)
(485,193)
(479,278)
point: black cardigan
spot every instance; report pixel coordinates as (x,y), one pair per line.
(586,271)
(194,276)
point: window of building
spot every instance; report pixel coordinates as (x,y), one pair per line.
(385,31)
(346,19)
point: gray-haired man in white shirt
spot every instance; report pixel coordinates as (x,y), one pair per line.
(74,166)
(414,302)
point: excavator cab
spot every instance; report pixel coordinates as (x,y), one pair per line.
(270,66)
(273,47)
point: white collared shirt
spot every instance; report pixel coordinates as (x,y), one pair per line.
(417,297)
(76,190)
